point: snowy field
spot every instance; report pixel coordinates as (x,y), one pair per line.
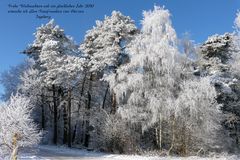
(60,153)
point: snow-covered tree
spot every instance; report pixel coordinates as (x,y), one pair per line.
(58,55)
(188,47)
(59,63)
(220,59)
(30,82)
(237,21)
(198,115)
(215,54)
(31,86)
(104,46)
(17,129)
(149,70)
(231,99)
(235,65)
(10,79)
(147,86)
(105,43)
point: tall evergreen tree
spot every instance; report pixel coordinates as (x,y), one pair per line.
(104,46)
(59,62)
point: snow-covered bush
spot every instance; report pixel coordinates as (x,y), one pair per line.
(199,116)
(113,134)
(17,129)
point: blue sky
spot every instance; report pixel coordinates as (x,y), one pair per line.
(200,18)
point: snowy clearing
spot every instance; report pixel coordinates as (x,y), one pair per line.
(61,153)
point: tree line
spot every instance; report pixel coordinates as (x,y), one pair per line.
(129,90)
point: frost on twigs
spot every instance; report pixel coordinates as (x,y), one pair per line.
(17,129)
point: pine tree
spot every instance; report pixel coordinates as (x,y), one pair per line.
(105,43)
(104,46)
(59,63)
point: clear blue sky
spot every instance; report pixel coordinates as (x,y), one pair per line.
(200,18)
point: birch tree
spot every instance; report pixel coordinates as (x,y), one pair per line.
(147,86)
(17,129)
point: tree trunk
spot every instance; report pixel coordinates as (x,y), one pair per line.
(105,96)
(82,91)
(184,144)
(160,133)
(65,125)
(55,110)
(89,98)
(14,147)
(43,113)
(83,84)
(236,130)
(87,135)
(81,134)
(82,131)
(74,133)
(156,136)
(114,103)
(173,136)
(69,119)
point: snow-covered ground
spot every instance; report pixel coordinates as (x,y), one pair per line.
(61,153)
